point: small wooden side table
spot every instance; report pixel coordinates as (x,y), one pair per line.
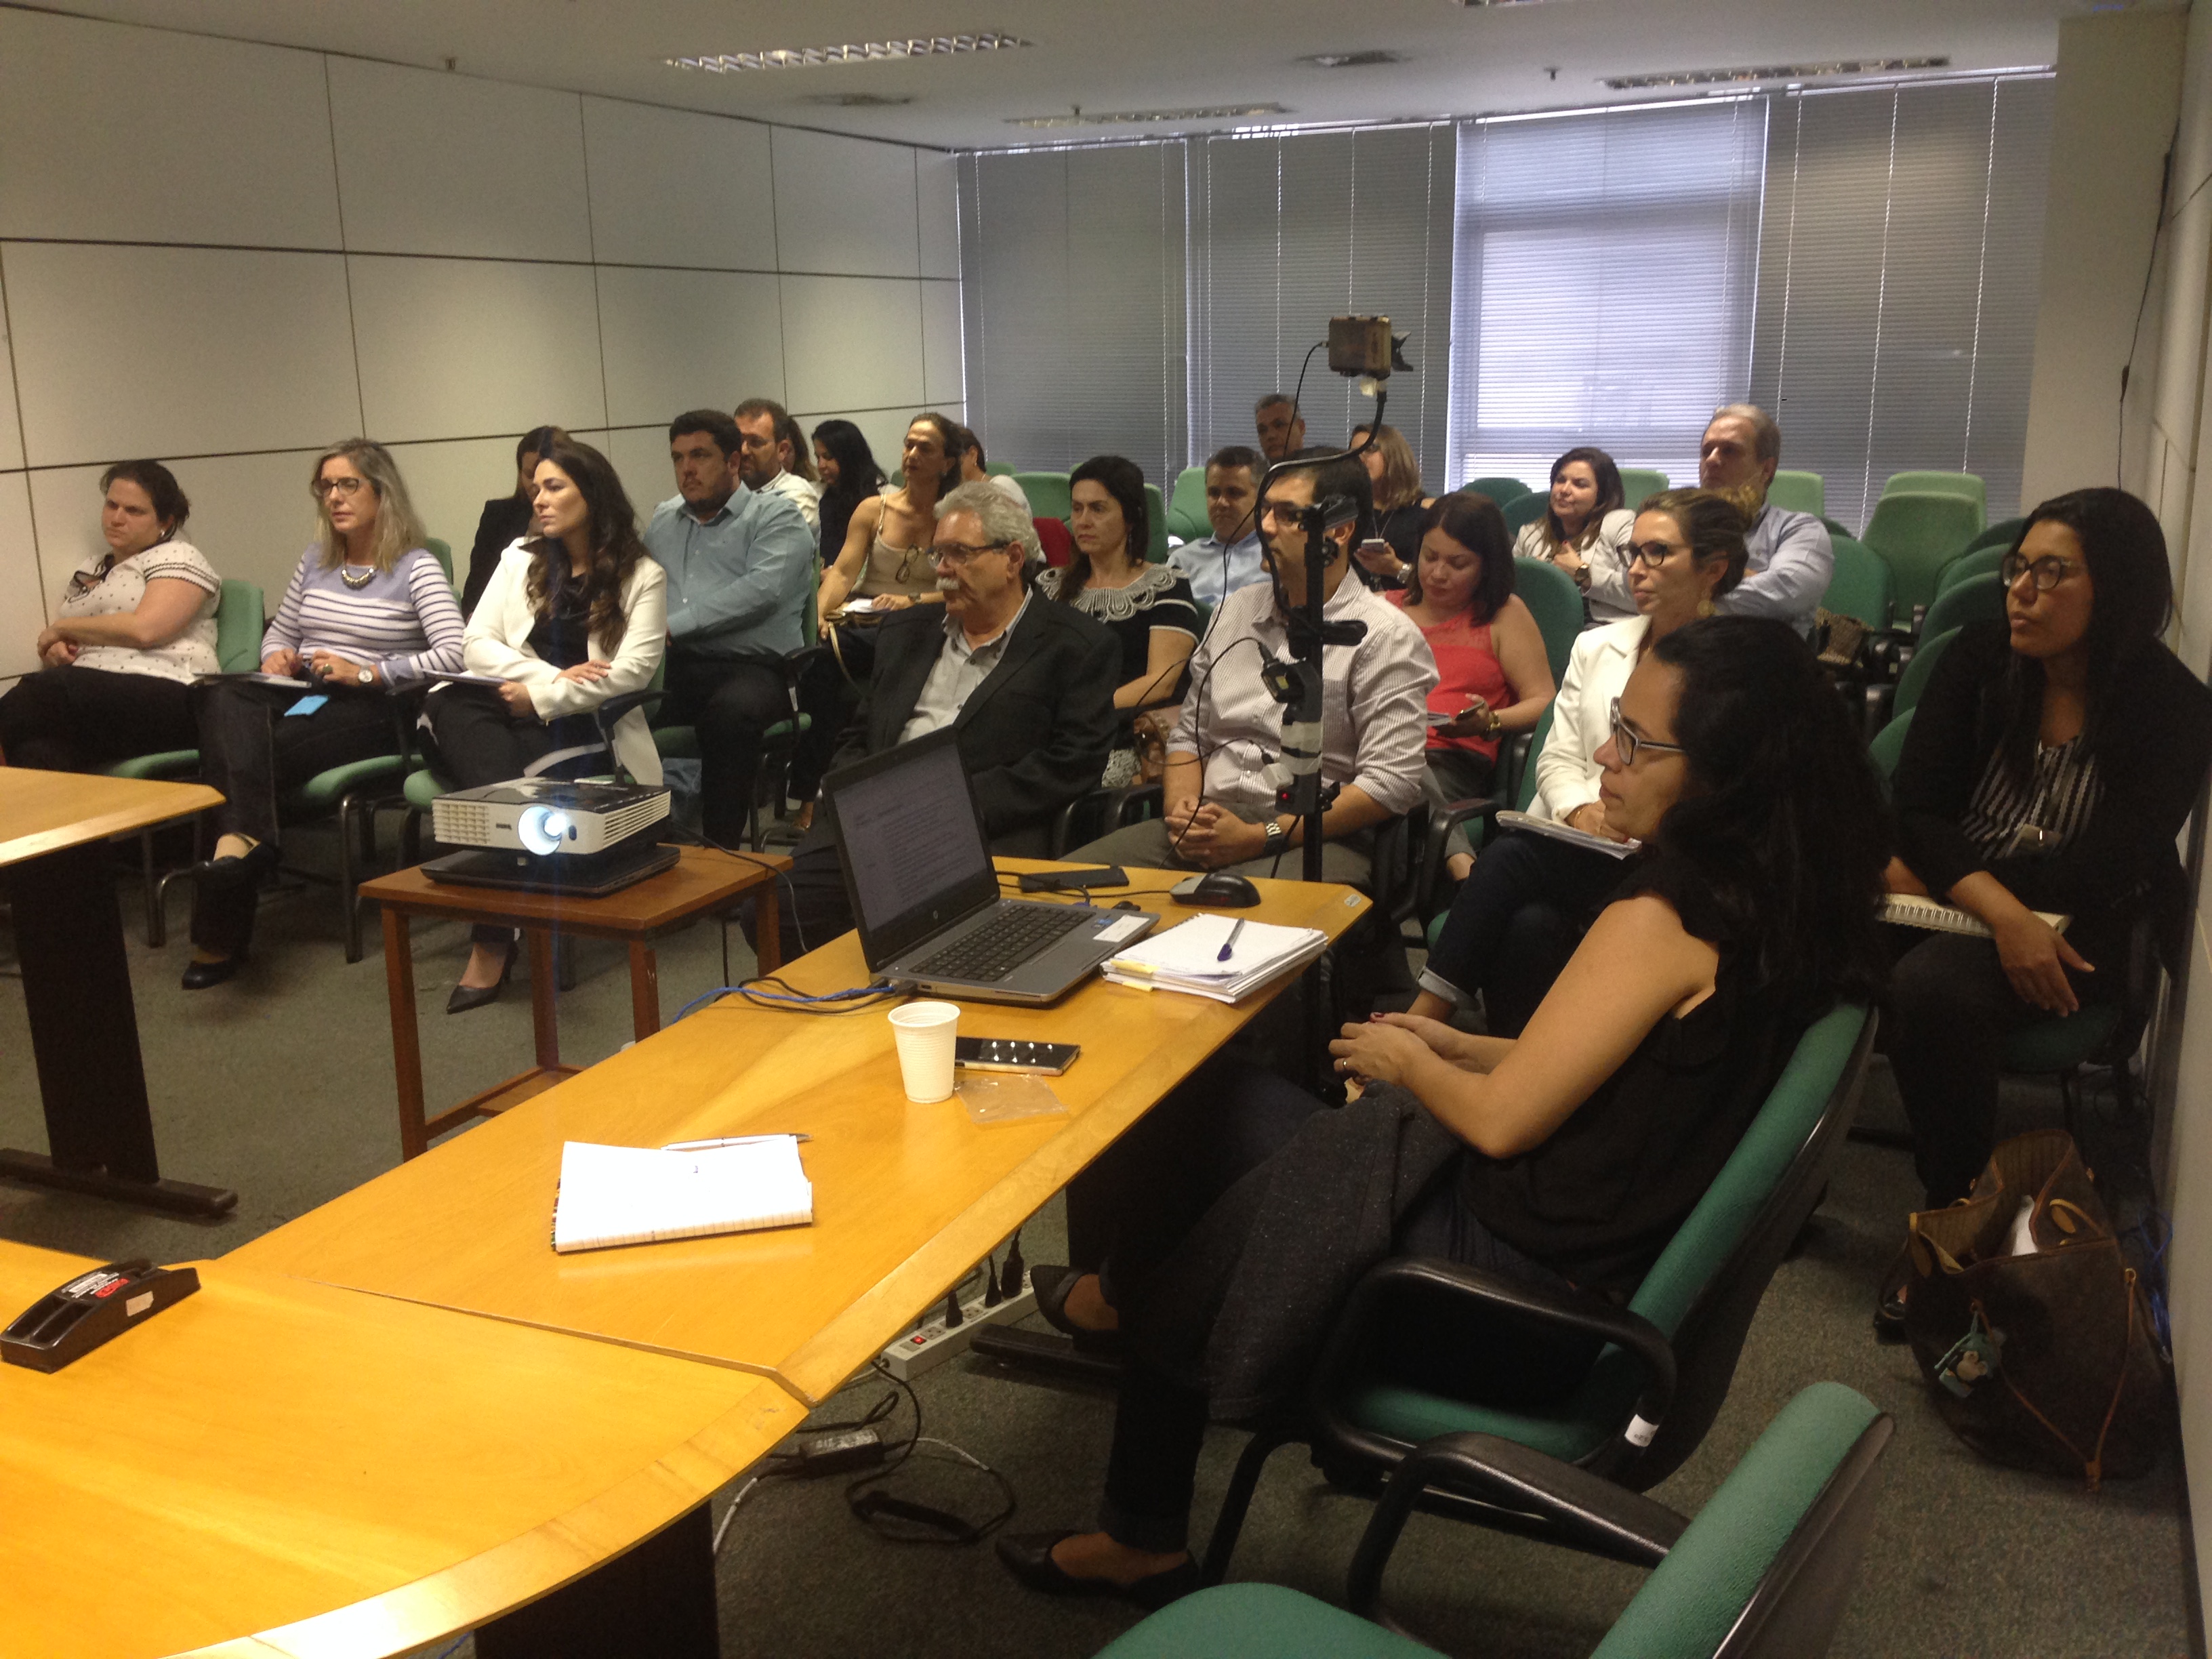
(703,880)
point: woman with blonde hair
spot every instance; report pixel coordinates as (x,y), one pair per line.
(1387,559)
(368,609)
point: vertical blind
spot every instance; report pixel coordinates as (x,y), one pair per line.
(1900,263)
(1606,268)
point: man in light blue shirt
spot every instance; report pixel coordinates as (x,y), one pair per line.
(1230,558)
(740,566)
(1791,555)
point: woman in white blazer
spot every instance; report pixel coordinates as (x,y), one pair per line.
(1518,917)
(575,615)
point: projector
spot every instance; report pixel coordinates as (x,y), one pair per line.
(548,816)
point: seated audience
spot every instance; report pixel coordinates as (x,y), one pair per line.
(1563,1161)
(1791,557)
(1229,559)
(1220,805)
(773,459)
(133,630)
(1520,912)
(1585,532)
(1386,558)
(506,518)
(1493,678)
(1147,607)
(2051,762)
(739,564)
(975,469)
(849,476)
(1027,686)
(368,610)
(574,615)
(1282,429)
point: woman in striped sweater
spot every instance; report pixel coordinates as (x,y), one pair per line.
(368,609)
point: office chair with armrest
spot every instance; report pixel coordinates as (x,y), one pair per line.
(1966,486)
(1187,519)
(1524,510)
(1799,492)
(1501,491)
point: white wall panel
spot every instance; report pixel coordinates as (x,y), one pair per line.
(940,343)
(449,485)
(431,163)
(844,204)
(851,342)
(641,457)
(687,339)
(470,349)
(22,592)
(169,351)
(938,196)
(11,430)
(124,133)
(252,516)
(672,188)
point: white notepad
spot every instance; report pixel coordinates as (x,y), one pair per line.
(635,1195)
(1567,832)
(1187,957)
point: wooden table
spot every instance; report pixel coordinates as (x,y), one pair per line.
(76,981)
(276,1467)
(703,880)
(907,1197)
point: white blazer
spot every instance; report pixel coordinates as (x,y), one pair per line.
(1567,771)
(497,643)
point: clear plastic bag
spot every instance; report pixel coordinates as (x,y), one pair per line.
(1006,1096)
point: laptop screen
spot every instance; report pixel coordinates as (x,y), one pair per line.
(912,843)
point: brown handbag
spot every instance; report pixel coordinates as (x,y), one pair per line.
(2046,1359)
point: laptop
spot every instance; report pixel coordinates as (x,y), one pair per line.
(928,901)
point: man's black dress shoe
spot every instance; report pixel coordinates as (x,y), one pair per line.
(257,861)
(199,976)
(1028,1555)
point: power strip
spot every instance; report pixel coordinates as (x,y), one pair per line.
(932,1345)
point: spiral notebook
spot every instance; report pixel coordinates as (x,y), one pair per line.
(612,1195)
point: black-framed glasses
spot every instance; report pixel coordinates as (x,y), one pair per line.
(958,553)
(350,487)
(1626,743)
(1651,555)
(2047,572)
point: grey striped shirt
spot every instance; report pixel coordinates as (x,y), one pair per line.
(403,622)
(2056,799)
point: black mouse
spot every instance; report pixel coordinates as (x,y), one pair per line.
(1223,889)
(1128,904)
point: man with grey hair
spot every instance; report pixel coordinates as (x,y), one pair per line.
(1028,688)
(1791,556)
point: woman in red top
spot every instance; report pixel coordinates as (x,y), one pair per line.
(1493,677)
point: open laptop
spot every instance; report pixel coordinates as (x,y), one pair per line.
(919,872)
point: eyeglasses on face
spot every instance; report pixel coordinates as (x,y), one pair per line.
(348,487)
(1627,745)
(1652,555)
(2047,572)
(958,553)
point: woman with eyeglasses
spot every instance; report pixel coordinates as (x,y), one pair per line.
(1519,914)
(367,611)
(2051,762)
(133,629)
(1585,531)
(1243,1212)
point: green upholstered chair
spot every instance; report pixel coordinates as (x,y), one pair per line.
(1765,1571)
(1981,560)
(443,553)
(997,470)
(1964,485)
(1556,604)
(1654,1391)
(1800,492)
(1187,519)
(1836,527)
(1637,484)
(1887,746)
(1916,535)
(1515,783)
(1860,585)
(1524,510)
(1500,489)
(1914,680)
(1155,523)
(2003,533)
(1978,599)
(1048,493)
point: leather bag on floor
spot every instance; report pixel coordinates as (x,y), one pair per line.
(2042,1359)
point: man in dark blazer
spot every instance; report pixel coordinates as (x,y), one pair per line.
(1027,685)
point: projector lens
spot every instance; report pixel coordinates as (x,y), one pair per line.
(542,829)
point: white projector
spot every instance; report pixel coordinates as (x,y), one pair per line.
(546,816)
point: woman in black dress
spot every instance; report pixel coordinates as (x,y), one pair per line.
(506,518)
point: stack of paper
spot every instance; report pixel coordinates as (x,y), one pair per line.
(1188,957)
(1912,910)
(634,1194)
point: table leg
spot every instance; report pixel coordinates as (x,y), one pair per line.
(656,1602)
(84,1038)
(544,1006)
(767,950)
(644,989)
(406,1037)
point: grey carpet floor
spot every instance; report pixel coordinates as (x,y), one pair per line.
(280,1085)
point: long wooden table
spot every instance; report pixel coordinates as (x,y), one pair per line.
(907,1197)
(54,827)
(273,1467)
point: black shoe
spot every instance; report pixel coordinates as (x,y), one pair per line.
(1889,1302)
(1028,1555)
(1050,1285)
(199,976)
(222,874)
(466,997)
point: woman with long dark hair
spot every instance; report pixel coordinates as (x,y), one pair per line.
(1394,473)
(1568,1158)
(1585,532)
(885,557)
(849,476)
(575,615)
(506,518)
(2052,759)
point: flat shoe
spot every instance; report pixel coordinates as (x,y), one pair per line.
(1050,1285)
(199,976)
(223,873)
(1889,1302)
(1028,1555)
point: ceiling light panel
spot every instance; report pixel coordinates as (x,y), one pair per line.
(1146,117)
(862,51)
(1778,72)
(1335,60)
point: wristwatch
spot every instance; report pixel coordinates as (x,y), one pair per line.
(1277,837)
(367,676)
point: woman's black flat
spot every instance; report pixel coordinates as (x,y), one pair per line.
(466,997)
(257,861)
(1028,1555)
(1050,1285)
(199,976)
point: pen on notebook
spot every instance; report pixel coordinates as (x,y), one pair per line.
(734,1140)
(1230,944)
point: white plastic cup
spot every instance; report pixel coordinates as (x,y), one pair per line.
(925,1032)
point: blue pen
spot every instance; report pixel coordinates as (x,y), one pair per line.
(1231,943)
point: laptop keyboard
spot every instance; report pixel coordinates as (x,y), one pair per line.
(999,946)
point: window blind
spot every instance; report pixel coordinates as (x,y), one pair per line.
(1606,266)
(1899,263)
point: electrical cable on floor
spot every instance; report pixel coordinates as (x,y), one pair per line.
(729,1514)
